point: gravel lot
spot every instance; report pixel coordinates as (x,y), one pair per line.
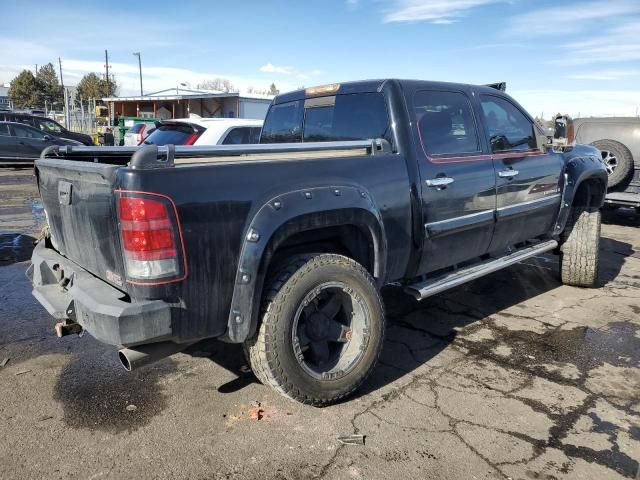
(511,376)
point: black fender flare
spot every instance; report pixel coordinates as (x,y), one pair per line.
(279,218)
(584,163)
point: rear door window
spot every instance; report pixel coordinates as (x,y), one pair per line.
(508,128)
(357,116)
(445,123)
(4,130)
(237,136)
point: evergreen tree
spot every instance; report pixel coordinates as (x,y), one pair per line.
(48,87)
(91,86)
(24,90)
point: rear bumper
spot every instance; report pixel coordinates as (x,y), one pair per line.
(68,291)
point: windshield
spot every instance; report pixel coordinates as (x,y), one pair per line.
(50,126)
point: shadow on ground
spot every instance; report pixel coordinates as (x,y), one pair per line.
(627,217)
(15,247)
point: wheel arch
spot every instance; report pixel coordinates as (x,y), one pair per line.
(585,183)
(337,219)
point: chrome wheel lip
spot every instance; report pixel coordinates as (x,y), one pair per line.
(354,347)
(610,161)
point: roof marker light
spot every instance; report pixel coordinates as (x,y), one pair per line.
(322,90)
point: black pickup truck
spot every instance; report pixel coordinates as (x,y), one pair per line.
(284,245)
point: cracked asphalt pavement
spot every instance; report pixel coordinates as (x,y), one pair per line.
(511,376)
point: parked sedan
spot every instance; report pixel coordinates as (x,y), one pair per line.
(138,132)
(48,126)
(21,143)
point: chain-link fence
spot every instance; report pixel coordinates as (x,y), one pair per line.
(82,115)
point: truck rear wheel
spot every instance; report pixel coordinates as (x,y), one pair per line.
(617,160)
(322,330)
(580,247)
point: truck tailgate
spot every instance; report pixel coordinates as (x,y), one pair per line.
(79,203)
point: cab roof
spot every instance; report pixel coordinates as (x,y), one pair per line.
(369,86)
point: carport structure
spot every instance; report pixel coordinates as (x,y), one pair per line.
(180,103)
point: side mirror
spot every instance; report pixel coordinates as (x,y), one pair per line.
(498,143)
(544,143)
(46,138)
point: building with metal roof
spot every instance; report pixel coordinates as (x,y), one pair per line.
(181,102)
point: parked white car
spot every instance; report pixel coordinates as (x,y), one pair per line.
(138,132)
(206,131)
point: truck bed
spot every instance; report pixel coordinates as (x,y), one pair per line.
(216,191)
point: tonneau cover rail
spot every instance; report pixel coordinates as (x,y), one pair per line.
(152,156)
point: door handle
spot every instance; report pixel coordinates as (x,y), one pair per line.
(508,173)
(439,181)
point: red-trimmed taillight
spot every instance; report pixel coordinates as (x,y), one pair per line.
(140,135)
(151,238)
(192,138)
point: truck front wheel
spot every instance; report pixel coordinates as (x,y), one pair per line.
(322,329)
(580,247)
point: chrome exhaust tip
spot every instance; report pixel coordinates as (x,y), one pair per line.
(135,357)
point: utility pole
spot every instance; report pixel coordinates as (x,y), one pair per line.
(137,54)
(106,66)
(66,109)
(60,65)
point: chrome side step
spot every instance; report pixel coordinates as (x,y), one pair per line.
(436,285)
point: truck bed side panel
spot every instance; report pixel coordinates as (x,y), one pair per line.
(217,201)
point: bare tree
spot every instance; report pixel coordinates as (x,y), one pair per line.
(220,84)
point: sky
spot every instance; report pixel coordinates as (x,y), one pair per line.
(576,57)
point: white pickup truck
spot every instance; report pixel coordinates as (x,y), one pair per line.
(618,139)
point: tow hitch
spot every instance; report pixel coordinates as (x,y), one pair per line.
(67,327)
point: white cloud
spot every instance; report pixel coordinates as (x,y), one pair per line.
(271,68)
(286,70)
(154,78)
(605,75)
(14,49)
(602,32)
(618,44)
(579,102)
(572,18)
(441,12)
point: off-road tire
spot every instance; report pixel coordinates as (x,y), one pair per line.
(580,247)
(622,172)
(270,351)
